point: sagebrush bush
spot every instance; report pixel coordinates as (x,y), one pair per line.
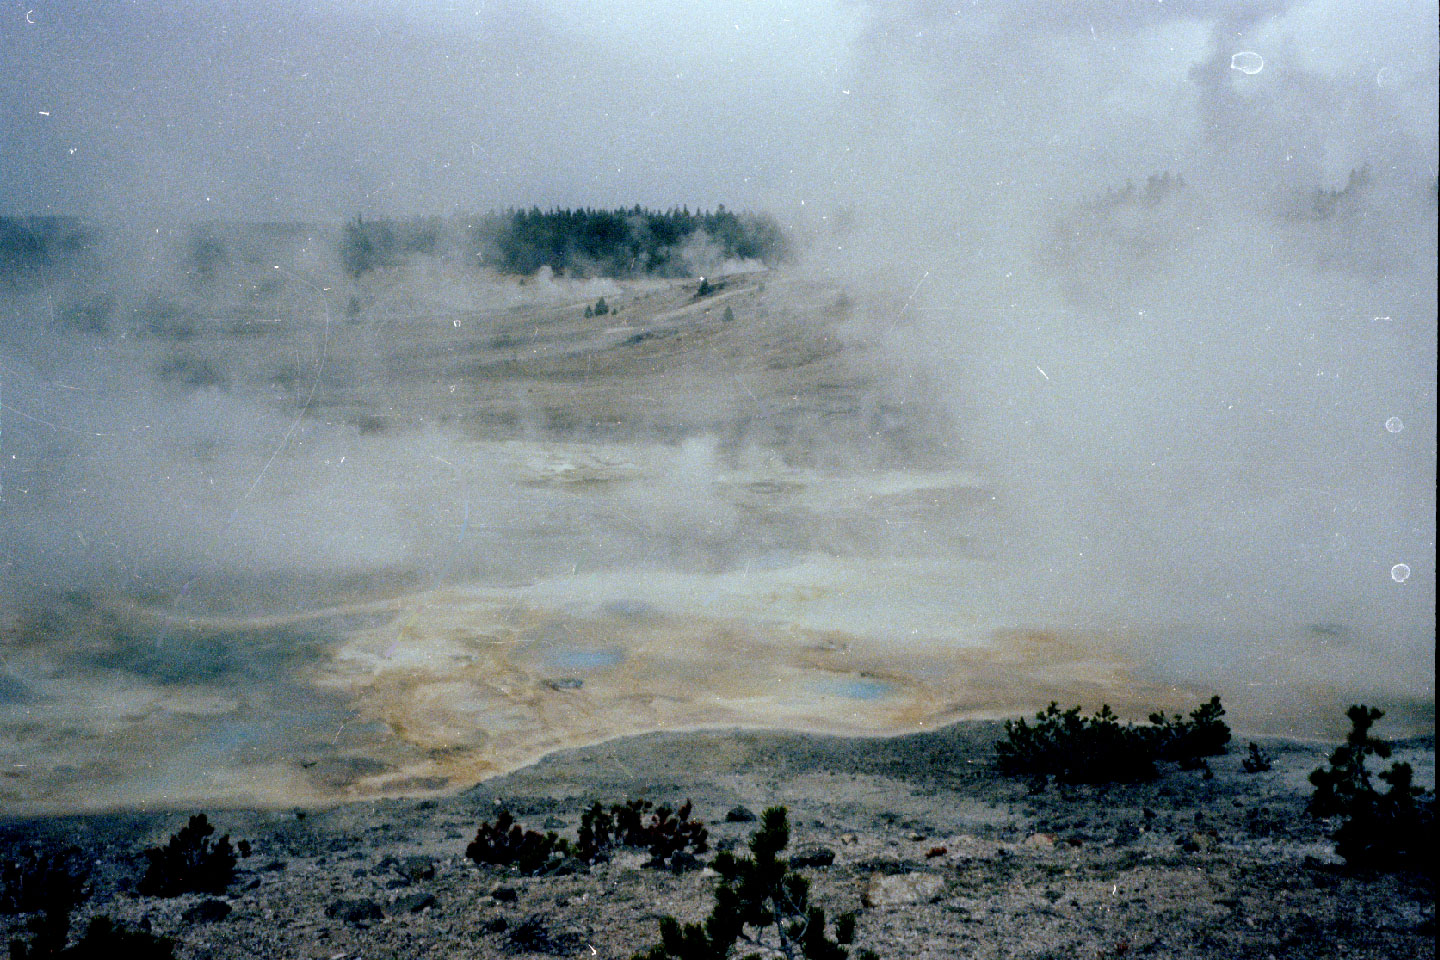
(103,940)
(1075,748)
(1390,830)
(1189,742)
(33,882)
(761,902)
(190,862)
(638,824)
(641,825)
(506,843)
(1258,761)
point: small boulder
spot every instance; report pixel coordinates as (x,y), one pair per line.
(682,861)
(1197,842)
(412,903)
(891,890)
(812,856)
(1040,841)
(355,911)
(535,933)
(206,911)
(416,868)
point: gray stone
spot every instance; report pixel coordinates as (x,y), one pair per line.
(355,911)
(890,890)
(416,868)
(812,856)
(206,911)
(412,903)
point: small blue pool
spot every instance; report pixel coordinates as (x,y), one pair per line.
(858,688)
(585,659)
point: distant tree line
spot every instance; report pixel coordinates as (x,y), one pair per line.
(623,243)
(574,242)
(31,241)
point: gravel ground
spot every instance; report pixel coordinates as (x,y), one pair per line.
(940,855)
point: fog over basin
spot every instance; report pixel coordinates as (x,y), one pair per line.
(271,538)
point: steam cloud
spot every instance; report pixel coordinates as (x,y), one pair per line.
(1166,306)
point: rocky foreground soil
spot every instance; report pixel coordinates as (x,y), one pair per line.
(939,854)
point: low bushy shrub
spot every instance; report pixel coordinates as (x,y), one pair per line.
(190,862)
(1389,830)
(1075,748)
(506,843)
(1189,742)
(103,940)
(1258,761)
(641,825)
(761,902)
(33,882)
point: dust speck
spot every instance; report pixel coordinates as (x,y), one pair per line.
(1247,62)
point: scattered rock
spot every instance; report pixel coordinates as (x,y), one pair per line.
(682,861)
(1196,842)
(812,856)
(535,933)
(739,814)
(412,903)
(354,911)
(206,911)
(416,868)
(891,890)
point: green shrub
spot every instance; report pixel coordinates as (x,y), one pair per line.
(189,863)
(32,882)
(1389,830)
(506,843)
(103,940)
(1258,761)
(1188,742)
(639,824)
(367,246)
(760,901)
(601,307)
(1075,748)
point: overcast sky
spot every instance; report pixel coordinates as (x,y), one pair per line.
(282,108)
